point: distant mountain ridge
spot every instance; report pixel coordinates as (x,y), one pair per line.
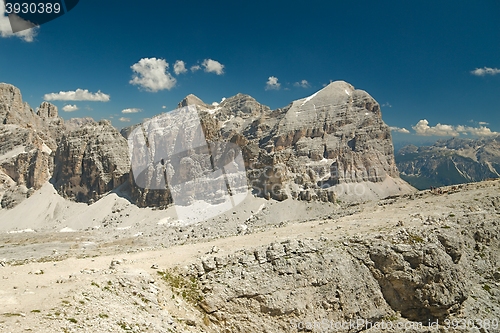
(449,162)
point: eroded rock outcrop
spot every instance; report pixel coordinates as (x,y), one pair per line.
(90,161)
(27,142)
(84,158)
(410,275)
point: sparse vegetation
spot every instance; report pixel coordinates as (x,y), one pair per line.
(186,287)
(9,314)
(392,317)
(416,239)
(487,288)
(124,326)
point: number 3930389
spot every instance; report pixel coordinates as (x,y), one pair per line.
(32,8)
(26,14)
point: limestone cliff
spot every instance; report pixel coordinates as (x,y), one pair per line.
(83,158)
(329,145)
(27,142)
(90,161)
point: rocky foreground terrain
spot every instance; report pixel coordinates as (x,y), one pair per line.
(406,261)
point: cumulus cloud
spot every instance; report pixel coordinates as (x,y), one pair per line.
(131,110)
(152,75)
(27,35)
(125,120)
(180,67)
(272,83)
(485,71)
(302,84)
(386,104)
(213,66)
(195,68)
(477,131)
(423,128)
(70,108)
(399,129)
(77,95)
(483,123)
(164,107)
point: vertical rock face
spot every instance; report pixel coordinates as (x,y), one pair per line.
(85,159)
(336,136)
(12,108)
(91,161)
(26,159)
(47,110)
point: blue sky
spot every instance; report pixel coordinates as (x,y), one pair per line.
(437,61)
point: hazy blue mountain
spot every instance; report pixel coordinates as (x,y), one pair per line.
(448,162)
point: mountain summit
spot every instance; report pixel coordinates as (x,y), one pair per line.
(332,144)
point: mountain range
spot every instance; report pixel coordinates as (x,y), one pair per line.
(331,145)
(449,162)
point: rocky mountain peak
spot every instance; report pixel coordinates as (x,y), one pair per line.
(243,105)
(12,108)
(192,100)
(47,110)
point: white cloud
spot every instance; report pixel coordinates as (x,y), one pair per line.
(483,123)
(195,68)
(399,129)
(27,35)
(180,67)
(213,66)
(423,128)
(164,107)
(272,83)
(302,84)
(485,71)
(152,75)
(70,108)
(477,131)
(124,120)
(131,110)
(386,104)
(77,95)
